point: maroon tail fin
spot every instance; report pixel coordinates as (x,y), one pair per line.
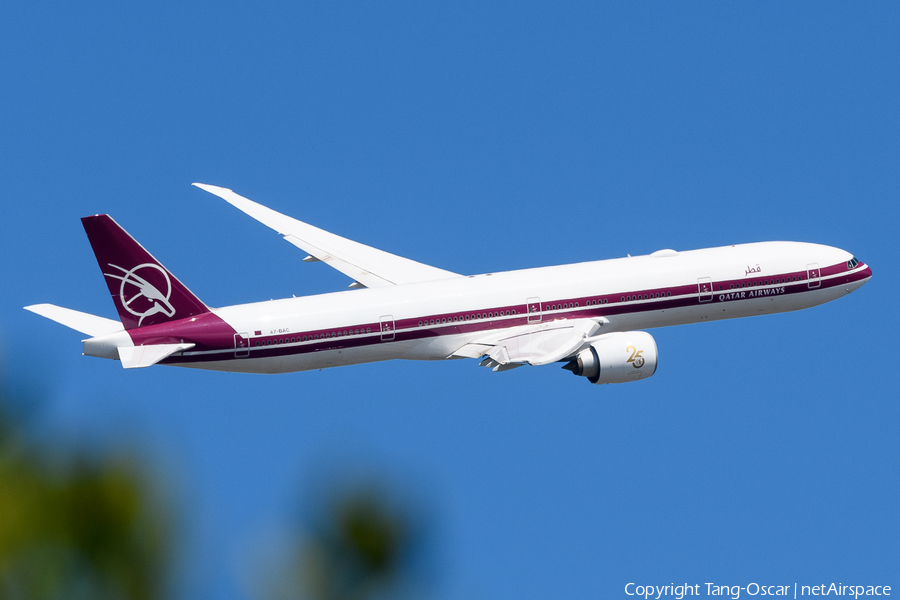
(144,292)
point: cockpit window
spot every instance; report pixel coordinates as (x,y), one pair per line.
(852,263)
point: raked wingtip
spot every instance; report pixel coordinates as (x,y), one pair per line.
(212,189)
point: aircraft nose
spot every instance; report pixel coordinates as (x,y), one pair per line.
(860,275)
(863,275)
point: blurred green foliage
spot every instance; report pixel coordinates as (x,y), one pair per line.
(80,525)
(356,546)
(74,525)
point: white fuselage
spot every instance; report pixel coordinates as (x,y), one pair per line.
(431,320)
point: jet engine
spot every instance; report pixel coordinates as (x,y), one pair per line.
(617,358)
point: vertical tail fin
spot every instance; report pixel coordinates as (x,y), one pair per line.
(144,292)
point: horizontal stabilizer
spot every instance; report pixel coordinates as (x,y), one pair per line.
(137,357)
(85,323)
(366,265)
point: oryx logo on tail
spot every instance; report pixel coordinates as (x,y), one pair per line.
(139,296)
(144,291)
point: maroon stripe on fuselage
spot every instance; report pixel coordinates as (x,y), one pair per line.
(217,335)
(208,331)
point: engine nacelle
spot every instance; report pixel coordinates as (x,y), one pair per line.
(617,358)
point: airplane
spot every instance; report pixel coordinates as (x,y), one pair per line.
(587,316)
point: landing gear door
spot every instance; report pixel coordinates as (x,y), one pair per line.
(387,328)
(705,289)
(813,276)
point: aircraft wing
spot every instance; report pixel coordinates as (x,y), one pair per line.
(367,266)
(537,344)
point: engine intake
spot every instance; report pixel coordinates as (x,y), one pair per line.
(617,358)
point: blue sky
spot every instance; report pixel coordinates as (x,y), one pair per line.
(478,137)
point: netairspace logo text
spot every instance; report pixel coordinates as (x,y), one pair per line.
(678,592)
